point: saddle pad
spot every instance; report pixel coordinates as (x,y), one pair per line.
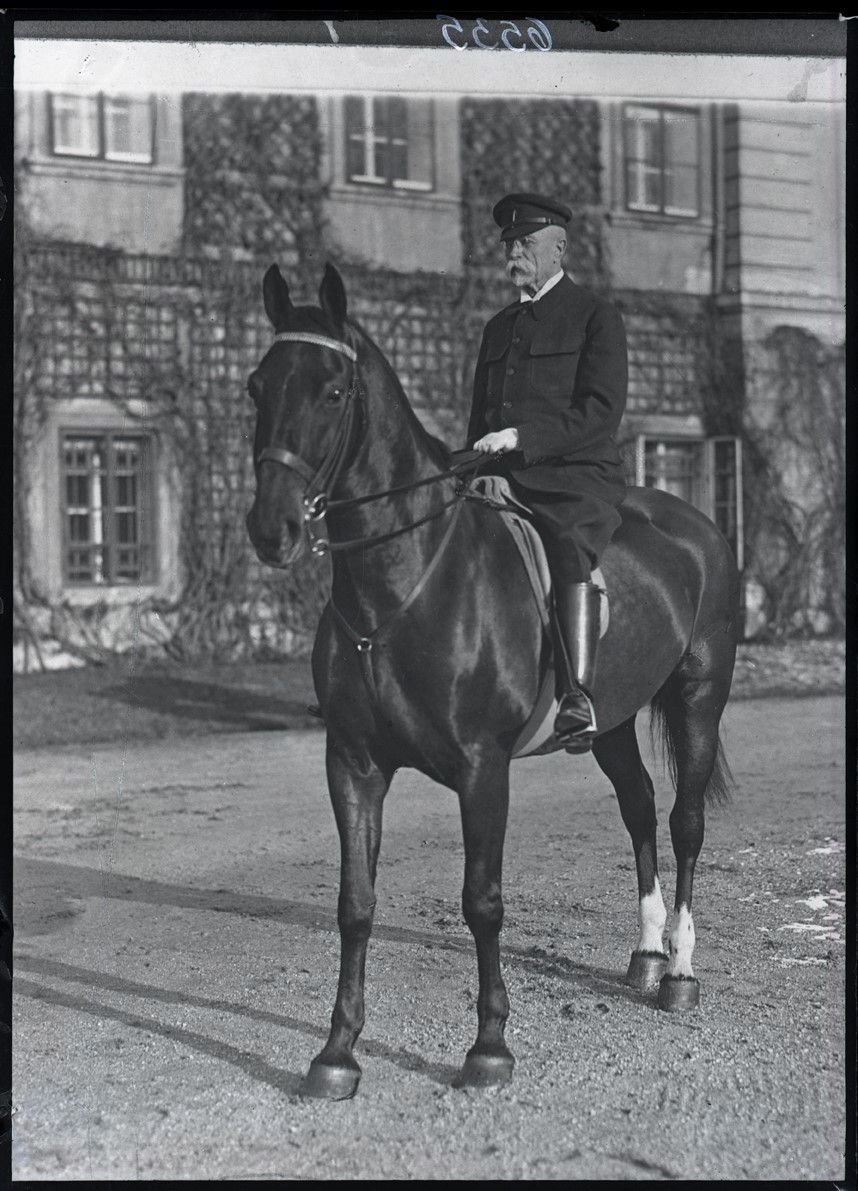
(530,547)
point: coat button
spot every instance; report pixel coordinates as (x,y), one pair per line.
(507,405)
(510,372)
(517,339)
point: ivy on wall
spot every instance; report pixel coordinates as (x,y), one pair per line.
(795,446)
(253,174)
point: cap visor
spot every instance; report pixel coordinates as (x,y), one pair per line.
(522,229)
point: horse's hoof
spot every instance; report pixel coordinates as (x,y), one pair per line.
(323,1082)
(646,969)
(485,1070)
(678,992)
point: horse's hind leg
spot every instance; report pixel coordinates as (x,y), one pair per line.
(484,802)
(619,757)
(357,795)
(692,704)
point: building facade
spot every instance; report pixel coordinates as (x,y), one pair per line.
(144,225)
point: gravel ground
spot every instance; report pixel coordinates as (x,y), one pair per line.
(176,960)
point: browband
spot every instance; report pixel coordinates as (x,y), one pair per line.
(321,340)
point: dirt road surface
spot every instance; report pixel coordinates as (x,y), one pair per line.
(176,960)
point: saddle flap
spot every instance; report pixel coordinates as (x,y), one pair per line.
(516,517)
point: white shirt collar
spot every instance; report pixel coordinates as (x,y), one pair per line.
(550,284)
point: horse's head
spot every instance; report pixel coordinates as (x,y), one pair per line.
(304,392)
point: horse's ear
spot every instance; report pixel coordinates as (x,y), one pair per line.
(332,296)
(275,294)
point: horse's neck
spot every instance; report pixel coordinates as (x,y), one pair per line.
(394,450)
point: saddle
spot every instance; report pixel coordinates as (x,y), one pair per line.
(538,732)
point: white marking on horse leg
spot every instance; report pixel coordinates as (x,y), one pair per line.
(681,943)
(653,916)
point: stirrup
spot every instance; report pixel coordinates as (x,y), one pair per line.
(577,738)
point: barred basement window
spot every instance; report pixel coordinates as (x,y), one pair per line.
(662,160)
(107,127)
(389,142)
(107,508)
(705,472)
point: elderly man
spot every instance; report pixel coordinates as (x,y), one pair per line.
(549,392)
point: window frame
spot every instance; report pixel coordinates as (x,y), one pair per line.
(371,181)
(629,159)
(148,543)
(102,155)
(707,479)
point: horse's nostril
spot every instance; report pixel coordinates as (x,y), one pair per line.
(293,528)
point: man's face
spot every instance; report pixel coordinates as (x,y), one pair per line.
(533,258)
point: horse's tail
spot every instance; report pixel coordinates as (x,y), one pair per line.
(667,724)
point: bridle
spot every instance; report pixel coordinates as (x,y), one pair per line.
(317,504)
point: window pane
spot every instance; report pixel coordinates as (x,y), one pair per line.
(680,189)
(381,160)
(126,491)
(75,124)
(128,128)
(642,135)
(354,116)
(675,467)
(421,141)
(651,187)
(397,126)
(126,528)
(399,161)
(380,118)
(79,527)
(680,138)
(355,151)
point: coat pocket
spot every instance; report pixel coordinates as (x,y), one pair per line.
(554,362)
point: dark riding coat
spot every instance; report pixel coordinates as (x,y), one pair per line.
(557,371)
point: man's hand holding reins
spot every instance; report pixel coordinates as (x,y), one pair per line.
(498,441)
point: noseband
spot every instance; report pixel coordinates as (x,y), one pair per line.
(317,505)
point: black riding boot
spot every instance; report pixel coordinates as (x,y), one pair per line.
(578,617)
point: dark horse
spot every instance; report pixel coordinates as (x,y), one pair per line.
(431,652)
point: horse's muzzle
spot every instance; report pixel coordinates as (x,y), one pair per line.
(278,550)
(276,556)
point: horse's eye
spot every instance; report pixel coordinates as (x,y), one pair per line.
(334,396)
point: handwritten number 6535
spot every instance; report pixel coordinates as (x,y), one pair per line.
(538,34)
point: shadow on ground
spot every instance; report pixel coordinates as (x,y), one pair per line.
(46,885)
(187,699)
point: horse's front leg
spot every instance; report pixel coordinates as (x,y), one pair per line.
(484,801)
(357,788)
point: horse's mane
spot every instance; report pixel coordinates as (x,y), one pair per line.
(441,454)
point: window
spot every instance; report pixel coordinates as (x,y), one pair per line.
(106,511)
(389,142)
(110,127)
(662,160)
(705,472)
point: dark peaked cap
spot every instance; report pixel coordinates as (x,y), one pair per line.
(518,214)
